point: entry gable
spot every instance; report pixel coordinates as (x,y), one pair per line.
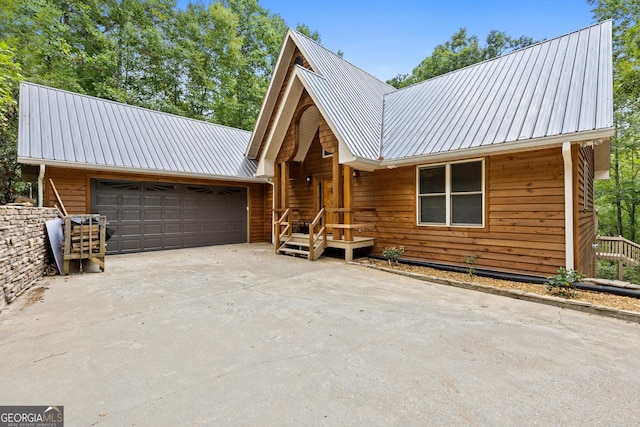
(348,98)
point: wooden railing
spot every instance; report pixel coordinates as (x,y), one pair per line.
(314,237)
(619,249)
(282,234)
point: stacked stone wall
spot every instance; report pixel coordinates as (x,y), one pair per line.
(23,249)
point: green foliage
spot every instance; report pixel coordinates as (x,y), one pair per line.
(460,51)
(9,80)
(618,199)
(606,269)
(208,62)
(471,262)
(564,282)
(393,253)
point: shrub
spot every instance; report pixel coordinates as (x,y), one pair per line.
(564,282)
(471,262)
(393,253)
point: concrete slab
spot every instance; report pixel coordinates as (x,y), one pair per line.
(235,335)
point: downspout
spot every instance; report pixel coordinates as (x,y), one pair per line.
(273,207)
(41,187)
(568,205)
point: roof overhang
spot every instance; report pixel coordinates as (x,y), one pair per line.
(269,103)
(137,171)
(597,136)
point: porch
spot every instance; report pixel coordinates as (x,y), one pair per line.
(309,240)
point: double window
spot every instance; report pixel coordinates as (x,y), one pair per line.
(451,194)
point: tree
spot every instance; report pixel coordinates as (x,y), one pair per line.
(9,80)
(460,51)
(622,193)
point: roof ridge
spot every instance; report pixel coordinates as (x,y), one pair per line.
(522,49)
(132,106)
(338,56)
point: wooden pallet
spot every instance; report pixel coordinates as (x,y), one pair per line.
(84,238)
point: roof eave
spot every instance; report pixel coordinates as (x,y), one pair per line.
(501,148)
(269,101)
(137,171)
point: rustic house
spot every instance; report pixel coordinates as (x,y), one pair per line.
(495,161)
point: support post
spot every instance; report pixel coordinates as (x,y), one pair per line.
(348,201)
(284,185)
(337,194)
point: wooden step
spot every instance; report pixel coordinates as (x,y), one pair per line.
(292,251)
(296,243)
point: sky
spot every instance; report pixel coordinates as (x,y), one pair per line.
(387,38)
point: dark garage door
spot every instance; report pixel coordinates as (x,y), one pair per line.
(150,216)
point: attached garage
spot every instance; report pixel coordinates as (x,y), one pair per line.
(148,216)
(163,181)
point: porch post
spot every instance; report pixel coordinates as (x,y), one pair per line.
(276,189)
(337,195)
(348,201)
(284,185)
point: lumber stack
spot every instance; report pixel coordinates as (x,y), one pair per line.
(84,238)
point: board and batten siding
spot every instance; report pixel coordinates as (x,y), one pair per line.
(524,218)
(73,185)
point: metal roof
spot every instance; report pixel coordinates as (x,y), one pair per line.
(351,98)
(559,87)
(65,128)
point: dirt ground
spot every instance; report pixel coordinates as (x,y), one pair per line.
(596,298)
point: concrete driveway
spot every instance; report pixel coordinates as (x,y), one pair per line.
(235,335)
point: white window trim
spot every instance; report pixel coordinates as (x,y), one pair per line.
(326,154)
(448,194)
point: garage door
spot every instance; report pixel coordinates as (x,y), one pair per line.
(149,216)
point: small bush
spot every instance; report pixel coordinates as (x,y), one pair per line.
(393,253)
(564,282)
(471,262)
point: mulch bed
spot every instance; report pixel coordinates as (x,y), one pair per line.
(596,298)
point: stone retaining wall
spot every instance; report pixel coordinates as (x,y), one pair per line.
(23,248)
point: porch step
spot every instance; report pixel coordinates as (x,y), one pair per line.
(292,251)
(299,246)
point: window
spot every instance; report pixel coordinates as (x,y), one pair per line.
(326,154)
(451,194)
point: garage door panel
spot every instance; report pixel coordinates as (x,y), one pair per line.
(129,200)
(172,228)
(130,229)
(172,214)
(174,201)
(130,215)
(152,228)
(153,216)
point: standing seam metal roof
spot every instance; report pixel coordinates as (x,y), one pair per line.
(351,97)
(65,127)
(558,87)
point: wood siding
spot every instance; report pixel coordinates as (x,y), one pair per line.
(73,185)
(524,218)
(585,212)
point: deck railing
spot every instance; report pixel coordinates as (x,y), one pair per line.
(319,222)
(619,249)
(282,228)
